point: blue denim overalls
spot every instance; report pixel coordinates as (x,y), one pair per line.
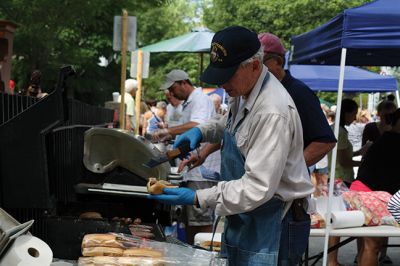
(250,238)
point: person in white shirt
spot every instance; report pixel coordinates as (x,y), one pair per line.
(197,108)
(174,110)
(263,167)
(130,91)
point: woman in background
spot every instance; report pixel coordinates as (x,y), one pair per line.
(345,153)
(379,171)
(344,160)
(374,130)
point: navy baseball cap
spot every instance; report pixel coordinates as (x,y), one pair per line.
(229,47)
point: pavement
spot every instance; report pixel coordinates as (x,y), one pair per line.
(348,252)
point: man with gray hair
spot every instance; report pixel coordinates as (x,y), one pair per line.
(216,99)
(130,92)
(263,168)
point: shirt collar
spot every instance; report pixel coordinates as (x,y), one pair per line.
(255,91)
(190,98)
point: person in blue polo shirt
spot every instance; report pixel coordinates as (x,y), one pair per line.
(318,137)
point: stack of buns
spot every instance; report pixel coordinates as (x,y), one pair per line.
(114,250)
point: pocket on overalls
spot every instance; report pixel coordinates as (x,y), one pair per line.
(253,238)
(240,257)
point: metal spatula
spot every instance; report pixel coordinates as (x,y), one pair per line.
(169,155)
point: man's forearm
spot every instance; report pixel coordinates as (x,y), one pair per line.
(209,148)
(315,151)
(181,128)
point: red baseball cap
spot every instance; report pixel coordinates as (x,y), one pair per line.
(271,43)
(11,84)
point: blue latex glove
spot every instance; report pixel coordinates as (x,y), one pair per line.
(193,136)
(176,196)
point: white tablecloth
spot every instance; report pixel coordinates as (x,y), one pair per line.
(371,231)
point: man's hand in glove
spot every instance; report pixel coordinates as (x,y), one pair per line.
(176,196)
(161,135)
(193,136)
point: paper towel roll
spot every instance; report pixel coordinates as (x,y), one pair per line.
(345,219)
(28,250)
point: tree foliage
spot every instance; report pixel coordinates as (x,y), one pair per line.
(283,18)
(163,22)
(52,33)
(55,33)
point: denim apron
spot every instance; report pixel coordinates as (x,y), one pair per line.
(250,238)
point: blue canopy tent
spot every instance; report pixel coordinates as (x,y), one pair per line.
(326,78)
(364,35)
(370,33)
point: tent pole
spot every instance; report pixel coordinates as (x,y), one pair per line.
(201,69)
(334,153)
(397,98)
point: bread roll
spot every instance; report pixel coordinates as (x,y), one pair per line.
(208,243)
(90,215)
(142,252)
(107,240)
(156,187)
(102,251)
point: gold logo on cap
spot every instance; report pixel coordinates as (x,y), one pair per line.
(217,51)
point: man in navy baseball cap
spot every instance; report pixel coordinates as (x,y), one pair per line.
(262,162)
(229,47)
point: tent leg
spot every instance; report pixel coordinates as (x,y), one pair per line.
(201,68)
(334,153)
(397,98)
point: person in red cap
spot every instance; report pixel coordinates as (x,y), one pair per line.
(12,86)
(317,134)
(318,137)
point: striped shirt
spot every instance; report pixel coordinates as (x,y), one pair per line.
(394,206)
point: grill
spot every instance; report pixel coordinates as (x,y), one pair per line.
(41,165)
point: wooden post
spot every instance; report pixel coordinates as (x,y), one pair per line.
(124,35)
(139,70)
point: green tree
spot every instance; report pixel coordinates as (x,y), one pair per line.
(55,33)
(163,22)
(283,18)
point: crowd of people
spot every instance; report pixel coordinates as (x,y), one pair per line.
(258,163)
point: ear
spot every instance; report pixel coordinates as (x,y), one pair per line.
(279,60)
(257,65)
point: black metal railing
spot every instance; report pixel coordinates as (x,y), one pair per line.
(11,105)
(41,150)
